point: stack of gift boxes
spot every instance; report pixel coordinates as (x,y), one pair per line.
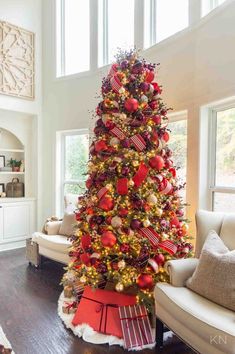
(110,313)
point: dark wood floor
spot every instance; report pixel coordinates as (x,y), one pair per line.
(28,312)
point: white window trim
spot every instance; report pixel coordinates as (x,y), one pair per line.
(212,187)
(60,167)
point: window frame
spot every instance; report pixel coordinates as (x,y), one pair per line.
(62,173)
(212,187)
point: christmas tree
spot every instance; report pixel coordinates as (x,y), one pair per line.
(131,217)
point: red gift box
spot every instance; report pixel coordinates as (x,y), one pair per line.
(99,309)
(136,327)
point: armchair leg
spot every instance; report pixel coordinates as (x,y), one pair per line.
(159,333)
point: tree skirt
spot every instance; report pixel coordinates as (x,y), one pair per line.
(86,332)
(4,341)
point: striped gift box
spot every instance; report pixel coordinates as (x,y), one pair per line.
(118,133)
(136,327)
(115,83)
(102,192)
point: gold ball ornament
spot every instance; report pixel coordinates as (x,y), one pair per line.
(114,141)
(116,222)
(119,287)
(152,199)
(83,279)
(164,236)
(146,223)
(121,264)
(159,211)
(131,183)
(135,163)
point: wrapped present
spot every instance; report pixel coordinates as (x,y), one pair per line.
(136,327)
(68,291)
(102,306)
(70,307)
(79,287)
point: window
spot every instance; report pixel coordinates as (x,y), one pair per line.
(73,34)
(116,28)
(163,18)
(73,153)
(222,160)
(178,144)
(209,5)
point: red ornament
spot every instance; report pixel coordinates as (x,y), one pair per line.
(153,104)
(145,281)
(156,162)
(149,76)
(100,146)
(123,212)
(135,224)
(108,239)
(85,258)
(160,259)
(173,172)
(106,203)
(166,137)
(125,247)
(131,105)
(89,182)
(175,222)
(86,241)
(156,87)
(157,119)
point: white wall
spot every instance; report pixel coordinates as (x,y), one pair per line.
(197,67)
(24,116)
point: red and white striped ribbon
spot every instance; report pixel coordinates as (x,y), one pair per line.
(168,246)
(151,235)
(167,189)
(113,70)
(102,192)
(115,83)
(118,133)
(139,142)
(135,325)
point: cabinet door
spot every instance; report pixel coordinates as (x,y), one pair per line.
(1,222)
(16,221)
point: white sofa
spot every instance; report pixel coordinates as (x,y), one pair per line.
(205,326)
(51,244)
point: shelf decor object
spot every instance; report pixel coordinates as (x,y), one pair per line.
(16,61)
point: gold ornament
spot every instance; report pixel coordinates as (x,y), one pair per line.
(152,199)
(135,163)
(131,183)
(119,287)
(116,222)
(121,264)
(146,223)
(83,279)
(159,211)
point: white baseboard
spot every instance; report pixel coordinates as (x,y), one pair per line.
(12,245)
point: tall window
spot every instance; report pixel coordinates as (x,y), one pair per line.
(178,144)
(116,28)
(73,36)
(222,160)
(163,18)
(209,5)
(72,158)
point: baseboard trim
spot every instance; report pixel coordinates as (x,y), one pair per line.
(12,245)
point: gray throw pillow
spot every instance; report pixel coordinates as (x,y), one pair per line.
(214,277)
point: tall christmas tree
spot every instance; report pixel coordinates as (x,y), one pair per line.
(131,218)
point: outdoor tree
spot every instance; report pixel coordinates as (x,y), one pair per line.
(131,218)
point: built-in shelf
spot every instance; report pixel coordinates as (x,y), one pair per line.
(11,173)
(11,150)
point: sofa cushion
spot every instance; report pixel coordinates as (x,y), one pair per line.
(212,323)
(67,225)
(227,232)
(52,227)
(57,243)
(214,277)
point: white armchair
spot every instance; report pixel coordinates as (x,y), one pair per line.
(205,326)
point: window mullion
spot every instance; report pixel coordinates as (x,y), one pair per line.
(93,34)
(105,32)
(62,29)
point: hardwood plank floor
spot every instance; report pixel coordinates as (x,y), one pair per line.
(28,312)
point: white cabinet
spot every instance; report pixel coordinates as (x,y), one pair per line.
(17,222)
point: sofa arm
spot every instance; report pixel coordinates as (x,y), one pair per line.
(53,227)
(180,270)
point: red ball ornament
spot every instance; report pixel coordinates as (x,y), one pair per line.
(131,105)
(123,211)
(108,239)
(166,137)
(100,146)
(173,172)
(86,241)
(160,259)
(135,224)
(89,182)
(106,203)
(156,162)
(85,258)
(145,281)
(149,76)
(157,119)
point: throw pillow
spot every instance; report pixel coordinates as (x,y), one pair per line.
(214,277)
(67,225)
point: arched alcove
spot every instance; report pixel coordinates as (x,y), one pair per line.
(8,140)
